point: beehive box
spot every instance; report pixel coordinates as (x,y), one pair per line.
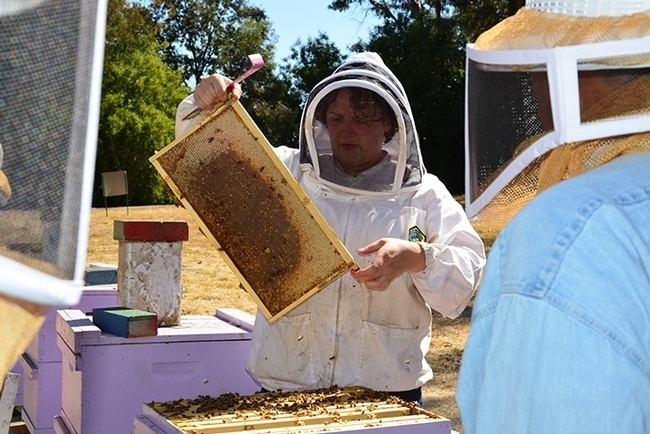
(325,410)
(105,379)
(41,363)
(250,206)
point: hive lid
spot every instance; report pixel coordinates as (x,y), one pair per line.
(250,206)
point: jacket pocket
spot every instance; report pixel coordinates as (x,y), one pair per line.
(283,353)
(390,359)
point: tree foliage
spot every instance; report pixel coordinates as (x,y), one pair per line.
(423,42)
(311,62)
(202,37)
(140,94)
(154,46)
(307,64)
(206,36)
(477,16)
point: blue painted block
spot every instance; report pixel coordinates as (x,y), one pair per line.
(126,322)
(101,276)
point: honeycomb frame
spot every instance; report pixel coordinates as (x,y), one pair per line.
(252,209)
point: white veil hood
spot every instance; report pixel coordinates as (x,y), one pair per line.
(366,70)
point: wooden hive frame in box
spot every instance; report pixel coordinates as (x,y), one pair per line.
(316,411)
(250,206)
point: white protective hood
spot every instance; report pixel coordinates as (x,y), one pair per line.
(366,70)
(549,76)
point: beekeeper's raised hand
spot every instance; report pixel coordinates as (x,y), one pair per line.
(212,91)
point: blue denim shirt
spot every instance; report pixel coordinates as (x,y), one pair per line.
(560,334)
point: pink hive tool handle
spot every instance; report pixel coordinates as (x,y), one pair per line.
(256,63)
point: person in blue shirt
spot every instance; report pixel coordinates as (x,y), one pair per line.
(560,334)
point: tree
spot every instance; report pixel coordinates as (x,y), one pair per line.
(475,17)
(475,14)
(279,117)
(423,42)
(206,36)
(310,63)
(140,94)
(202,37)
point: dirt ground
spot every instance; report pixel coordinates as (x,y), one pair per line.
(209,284)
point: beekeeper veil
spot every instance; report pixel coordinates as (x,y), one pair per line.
(401,167)
(553,91)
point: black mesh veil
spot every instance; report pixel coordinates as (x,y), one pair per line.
(514,116)
(521,104)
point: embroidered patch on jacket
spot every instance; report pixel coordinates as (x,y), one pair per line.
(416,235)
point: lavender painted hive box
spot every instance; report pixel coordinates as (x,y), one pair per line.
(40,365)
(106,379)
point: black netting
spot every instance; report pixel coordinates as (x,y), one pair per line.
(503,110)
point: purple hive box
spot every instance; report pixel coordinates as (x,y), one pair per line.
(39,393)
(106,379)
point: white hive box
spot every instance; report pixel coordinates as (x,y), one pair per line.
(106,378)
(253,210)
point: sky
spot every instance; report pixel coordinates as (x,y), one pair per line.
(293,19)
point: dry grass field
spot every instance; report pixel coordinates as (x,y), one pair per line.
(208,284)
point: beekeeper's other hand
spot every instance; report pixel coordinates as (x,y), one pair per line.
(393,257)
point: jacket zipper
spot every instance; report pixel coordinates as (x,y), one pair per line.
(339,295)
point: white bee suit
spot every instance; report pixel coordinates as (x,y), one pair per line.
(347,334)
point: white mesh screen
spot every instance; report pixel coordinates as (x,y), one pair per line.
(591,7)
(50,75)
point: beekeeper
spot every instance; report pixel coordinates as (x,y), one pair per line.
(559,119)
(359,160)
(5,188)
